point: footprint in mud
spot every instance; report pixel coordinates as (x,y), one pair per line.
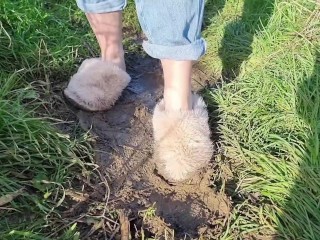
(181,215)
(124,150)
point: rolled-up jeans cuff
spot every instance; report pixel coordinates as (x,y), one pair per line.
(98,6)
(192,51)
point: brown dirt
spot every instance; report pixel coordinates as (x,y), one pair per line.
(124,150)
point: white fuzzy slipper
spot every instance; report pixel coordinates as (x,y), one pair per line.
(182,140)
(97,85)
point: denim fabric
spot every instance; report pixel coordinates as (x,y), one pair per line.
(172,27)
(101,6)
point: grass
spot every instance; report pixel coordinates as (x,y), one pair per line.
(269,112)
(43,170)
(43,37)
(38,163)
(266,54)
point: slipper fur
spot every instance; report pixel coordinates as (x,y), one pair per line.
(182,140)
(97,85)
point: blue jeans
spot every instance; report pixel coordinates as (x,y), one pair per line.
(172,27)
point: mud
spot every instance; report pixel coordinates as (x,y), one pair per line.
(124,152)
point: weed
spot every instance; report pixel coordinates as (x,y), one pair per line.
(148,213)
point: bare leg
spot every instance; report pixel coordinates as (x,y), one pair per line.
(177,84)
(98,84)
(107,28)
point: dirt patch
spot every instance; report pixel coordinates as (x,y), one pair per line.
(123,152)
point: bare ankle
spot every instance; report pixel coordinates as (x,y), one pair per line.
(176,100)
(177,84)
(114,54)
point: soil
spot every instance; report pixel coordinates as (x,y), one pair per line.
(124,151)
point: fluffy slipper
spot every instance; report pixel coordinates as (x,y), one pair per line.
(182,140)
(97,85)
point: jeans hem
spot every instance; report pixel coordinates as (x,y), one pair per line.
(193,51)
(101,7)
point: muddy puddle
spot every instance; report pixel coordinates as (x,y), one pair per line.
(124,152)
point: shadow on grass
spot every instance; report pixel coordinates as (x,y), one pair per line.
(211,9)
(300,215)
(239,34)
(236,44)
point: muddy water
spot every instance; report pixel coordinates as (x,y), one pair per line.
(124,151)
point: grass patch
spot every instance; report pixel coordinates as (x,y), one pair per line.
(270,112)
(39,43)
(43,37)
(43,170)
(37,164)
